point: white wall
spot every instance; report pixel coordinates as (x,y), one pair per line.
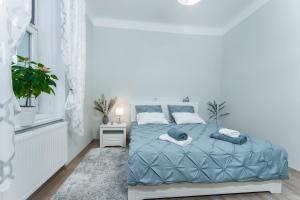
(141,66)
(261,75)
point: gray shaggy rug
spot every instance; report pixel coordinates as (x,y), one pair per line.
(101,175)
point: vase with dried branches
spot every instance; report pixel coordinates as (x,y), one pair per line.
(104,106)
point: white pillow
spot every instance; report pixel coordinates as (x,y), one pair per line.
(187,118)
(151,118)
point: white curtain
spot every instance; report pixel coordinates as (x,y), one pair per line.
(14,18)
(73,26)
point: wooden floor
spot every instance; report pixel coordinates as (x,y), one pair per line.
(291,187)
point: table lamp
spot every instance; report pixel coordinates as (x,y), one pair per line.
(119,113)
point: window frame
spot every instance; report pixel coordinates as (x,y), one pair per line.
(33,51)
(33,30)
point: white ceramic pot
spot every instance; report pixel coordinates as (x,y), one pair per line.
(27,116)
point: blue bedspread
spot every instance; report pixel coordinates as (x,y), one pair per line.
(205,160)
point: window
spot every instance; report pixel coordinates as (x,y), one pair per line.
(25,46)
(39,44)
(28,45)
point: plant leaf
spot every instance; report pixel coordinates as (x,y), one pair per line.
(212,111)
(213,116)
(224,114)
(111,104)
(221,108)
(222,104)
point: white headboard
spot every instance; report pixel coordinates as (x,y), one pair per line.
(164,106)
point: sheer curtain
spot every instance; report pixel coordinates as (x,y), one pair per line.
(14,18)
(73,26)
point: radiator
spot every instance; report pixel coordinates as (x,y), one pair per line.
(39,154)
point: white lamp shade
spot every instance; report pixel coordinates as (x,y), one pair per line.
(188,2)
(119,111)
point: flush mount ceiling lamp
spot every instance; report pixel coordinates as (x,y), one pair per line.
(188,2)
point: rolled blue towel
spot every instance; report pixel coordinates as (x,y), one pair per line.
(239,140)
(177,134)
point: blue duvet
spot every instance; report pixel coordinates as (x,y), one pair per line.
(205,160)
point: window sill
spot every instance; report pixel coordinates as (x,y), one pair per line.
(41,120)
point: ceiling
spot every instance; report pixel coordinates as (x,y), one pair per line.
(206,14)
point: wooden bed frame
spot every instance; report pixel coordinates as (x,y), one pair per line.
(140,192)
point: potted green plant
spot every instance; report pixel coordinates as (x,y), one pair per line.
(104,106)
(30,79)
(216,111)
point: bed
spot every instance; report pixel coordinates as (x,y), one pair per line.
(159,169)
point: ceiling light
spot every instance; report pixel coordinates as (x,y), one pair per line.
(188,2)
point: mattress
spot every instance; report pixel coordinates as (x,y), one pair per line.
(205,160)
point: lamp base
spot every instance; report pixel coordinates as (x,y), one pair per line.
(119,120)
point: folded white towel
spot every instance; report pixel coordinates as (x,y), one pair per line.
(166,137)
(229,132)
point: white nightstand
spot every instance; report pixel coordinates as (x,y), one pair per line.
(113,135)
